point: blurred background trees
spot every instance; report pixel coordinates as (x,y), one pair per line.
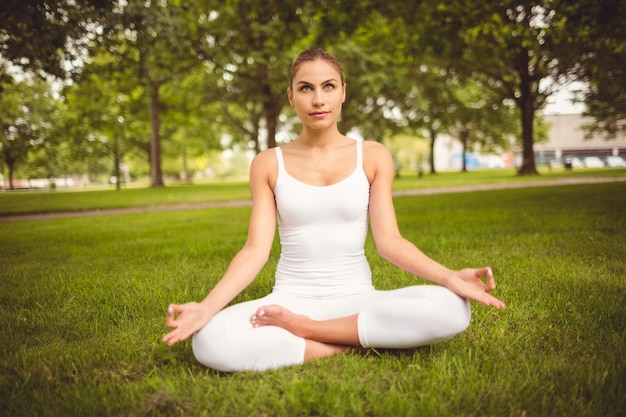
(158,87)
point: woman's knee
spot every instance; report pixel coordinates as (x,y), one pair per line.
(211,351)
(253,350)
(458,312)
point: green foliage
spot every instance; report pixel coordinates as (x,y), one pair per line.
(248,47)
(45,34)
(109,112)
(508,48)
(83,303)
(26,108)
(596,37)
(188,77)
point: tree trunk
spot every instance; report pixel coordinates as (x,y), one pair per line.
(116,168)
(433,136)
(10,168)
(156,175)
(526,104)
(528,154)
(186,176)
(271,105)
(272,112)
(464,136)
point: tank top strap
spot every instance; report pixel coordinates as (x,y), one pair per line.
(279,159)
(359,154)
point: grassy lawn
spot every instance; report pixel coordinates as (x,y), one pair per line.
(83,304)
(61,200)
(21,202)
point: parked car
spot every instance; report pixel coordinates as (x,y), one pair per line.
(615,161)
(555,163)
(593,162)
(573,162)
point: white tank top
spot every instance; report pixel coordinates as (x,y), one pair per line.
(322,233)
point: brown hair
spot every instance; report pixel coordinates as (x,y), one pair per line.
(314,55)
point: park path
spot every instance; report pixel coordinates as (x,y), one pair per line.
(243,203)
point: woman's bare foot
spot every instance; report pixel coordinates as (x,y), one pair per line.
(342,331)
(303,326)
(275,315)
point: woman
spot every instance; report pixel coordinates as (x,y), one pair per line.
(323,187)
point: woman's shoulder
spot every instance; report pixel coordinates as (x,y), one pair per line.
(376,159)
(264,165)
(373,150)
(267,156)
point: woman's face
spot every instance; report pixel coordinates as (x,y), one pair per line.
(317,94)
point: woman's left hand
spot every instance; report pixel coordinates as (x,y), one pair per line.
(469,284)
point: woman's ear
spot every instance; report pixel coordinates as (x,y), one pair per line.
(343,100)
(290,96)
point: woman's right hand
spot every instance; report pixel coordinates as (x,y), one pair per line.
(185,319)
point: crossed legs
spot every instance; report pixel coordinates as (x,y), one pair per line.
(323,338)
(403,318)
(287,330)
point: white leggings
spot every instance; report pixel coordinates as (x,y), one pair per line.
(398,319)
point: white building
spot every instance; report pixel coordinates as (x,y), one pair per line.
(566,138)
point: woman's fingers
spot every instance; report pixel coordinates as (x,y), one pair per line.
(185,320)
(168,338)
(170,320)
(490,285)
(177,335)
(485,272)
(493,301)
(172,338)
(491,281)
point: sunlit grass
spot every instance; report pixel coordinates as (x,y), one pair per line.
(20,202)
(82,302)
(410,179)
(59,200)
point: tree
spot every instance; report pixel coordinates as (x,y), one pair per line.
(512,47)
(482,119)
(193,127)
(435,103)
(24,107)
(45,34)
(110,109)
(152,41)
(44,37)
(393,88)
(248,47)
(54,157)
(599,31)
(377,76)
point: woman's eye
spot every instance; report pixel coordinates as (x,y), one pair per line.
(305,88)
(329,86)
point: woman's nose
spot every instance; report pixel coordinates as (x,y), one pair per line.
(317,98)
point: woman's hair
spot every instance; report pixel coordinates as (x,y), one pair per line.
(314,55)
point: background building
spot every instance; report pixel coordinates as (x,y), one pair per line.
(567,139)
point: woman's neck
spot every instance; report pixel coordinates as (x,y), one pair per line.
(320,138)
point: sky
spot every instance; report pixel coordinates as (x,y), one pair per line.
(561,101)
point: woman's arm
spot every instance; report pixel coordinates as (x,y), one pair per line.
(187,319)
(399,251)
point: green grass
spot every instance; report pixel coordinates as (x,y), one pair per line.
(82,302)
(409,180)
(22,202)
